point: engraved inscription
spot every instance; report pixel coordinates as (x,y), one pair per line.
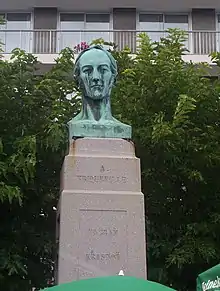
(103,237)
(104,231)
(101,178)
(102,256)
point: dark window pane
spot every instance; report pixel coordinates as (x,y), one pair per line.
(151,18)
(97,17)
(71,17)
(18,16)
(172,18)
(218,17)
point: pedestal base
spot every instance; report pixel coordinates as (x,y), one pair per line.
(101,212)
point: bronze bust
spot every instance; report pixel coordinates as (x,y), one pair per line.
(95,73)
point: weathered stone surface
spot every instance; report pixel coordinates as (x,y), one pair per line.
(101,211)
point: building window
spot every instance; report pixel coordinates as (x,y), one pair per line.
(71,17)
(16,36)
(153,23)
(72,25)
(78,27)
(157,23)
(176,21)
(97,26)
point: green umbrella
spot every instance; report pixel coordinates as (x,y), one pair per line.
(209,280)
(116,283)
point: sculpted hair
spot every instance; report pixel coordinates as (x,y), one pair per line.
(76,71)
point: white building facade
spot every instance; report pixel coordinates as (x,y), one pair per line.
(45,27)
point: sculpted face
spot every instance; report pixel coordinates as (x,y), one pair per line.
(95,74)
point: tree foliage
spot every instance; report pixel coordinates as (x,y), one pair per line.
(175,117)
(33,116)
(174,113)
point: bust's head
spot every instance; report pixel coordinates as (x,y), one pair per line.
(95,72)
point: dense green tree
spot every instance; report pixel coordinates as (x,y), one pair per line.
(34,111)
(175,114)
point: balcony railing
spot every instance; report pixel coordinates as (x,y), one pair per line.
(53,41)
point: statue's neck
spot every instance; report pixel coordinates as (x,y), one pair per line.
(97,109)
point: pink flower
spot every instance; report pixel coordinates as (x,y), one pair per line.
(80,47)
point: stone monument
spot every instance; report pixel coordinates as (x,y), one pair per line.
(100,215)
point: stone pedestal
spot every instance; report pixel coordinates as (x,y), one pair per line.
(101,222)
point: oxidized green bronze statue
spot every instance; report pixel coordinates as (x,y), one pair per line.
(95,73)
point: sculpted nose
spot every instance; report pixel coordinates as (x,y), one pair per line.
(95,80)
(95,76)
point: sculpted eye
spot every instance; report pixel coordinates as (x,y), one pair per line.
(104,70)
(87,71)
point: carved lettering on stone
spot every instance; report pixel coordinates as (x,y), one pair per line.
(103,231)
(102,178)
(103,238)
(102,256)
